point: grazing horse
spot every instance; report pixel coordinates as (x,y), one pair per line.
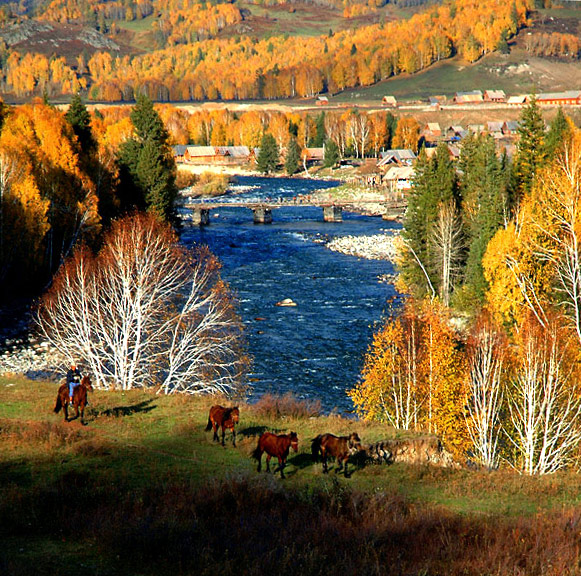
(225,418)
(275,445)
(79,399)
(339,447)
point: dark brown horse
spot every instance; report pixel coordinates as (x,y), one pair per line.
(226,418)
(79,399)
(339,447)
(275,445)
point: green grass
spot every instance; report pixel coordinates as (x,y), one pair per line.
(144,476)
(143,25)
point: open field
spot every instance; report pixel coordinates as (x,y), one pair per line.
(143,490)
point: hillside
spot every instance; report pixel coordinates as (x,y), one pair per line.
(181,51)
(142,489)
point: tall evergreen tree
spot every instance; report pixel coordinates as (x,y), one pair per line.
(530,150)
(332,154)
(79,118)
(483,187)
(147,166)
(268,155)
(557,134)
(321,132)
(293,157)
(435,185)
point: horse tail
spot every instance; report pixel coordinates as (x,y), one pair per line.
(209,425)
(257,453)
(58,405)
(316,447)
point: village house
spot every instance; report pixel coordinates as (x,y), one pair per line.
(432,132)
(569,98)
(313,155)
(389,101)
(517,100)
(178,152)
(216,155)
(437,101)
(400,157)
(472,97)
(494,96)
(495,129)
(322,101)
(454,133)
(398,179)
(510,127)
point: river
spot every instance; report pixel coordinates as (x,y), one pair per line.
(315,349)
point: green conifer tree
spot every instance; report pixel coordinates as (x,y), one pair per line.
(79,118)
(530,150)
(332,155)
(147,166)
(557,134)
(268,155)
(293,157)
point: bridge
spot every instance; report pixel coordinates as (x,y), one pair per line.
(262,210)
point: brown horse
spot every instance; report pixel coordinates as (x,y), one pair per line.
(275,445)
(79,399)
(339,447)
(225,418)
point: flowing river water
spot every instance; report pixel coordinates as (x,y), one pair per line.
(316,348)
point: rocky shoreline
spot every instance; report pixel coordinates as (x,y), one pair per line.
(375,247)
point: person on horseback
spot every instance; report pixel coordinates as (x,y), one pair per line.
(73,380)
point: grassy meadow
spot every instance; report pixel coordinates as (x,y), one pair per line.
(143,489)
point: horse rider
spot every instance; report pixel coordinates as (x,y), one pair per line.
(73,379)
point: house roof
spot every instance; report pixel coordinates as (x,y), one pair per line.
(400,156)
(389,99)
(471,96)
(179,150)
(517,100)
(568,95)
(400,173)
(495,94)
(494,126)
(233,151)
(198,151)
(314,153)
(434,127)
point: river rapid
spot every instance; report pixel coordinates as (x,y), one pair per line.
(314,349)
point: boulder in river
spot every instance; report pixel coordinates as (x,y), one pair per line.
(286,302)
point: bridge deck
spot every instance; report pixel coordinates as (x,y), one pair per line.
(292,203)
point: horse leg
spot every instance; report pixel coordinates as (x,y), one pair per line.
(233,437)
(325,467)
(215,427)
(281,465)
(339,464)
(268,457)
(66,409)
(223,434)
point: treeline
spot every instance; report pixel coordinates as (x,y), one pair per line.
(61,183)
(554,45)
(281,67)
(485,352)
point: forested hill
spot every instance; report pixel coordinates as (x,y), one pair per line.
(188,50)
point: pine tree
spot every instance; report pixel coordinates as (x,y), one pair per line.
(484,204)
(530,150)
(321,133)
(332,155)
(557,134)
(147,167)
(268,157)
(79,118)
(293,157)
(435,185)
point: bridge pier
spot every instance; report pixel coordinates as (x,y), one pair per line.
(201,216)
(262,215)
(333,213)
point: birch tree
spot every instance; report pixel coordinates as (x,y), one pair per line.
(486,358)
(146,312)
(544,402)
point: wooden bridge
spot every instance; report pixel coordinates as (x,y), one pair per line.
(262,210)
